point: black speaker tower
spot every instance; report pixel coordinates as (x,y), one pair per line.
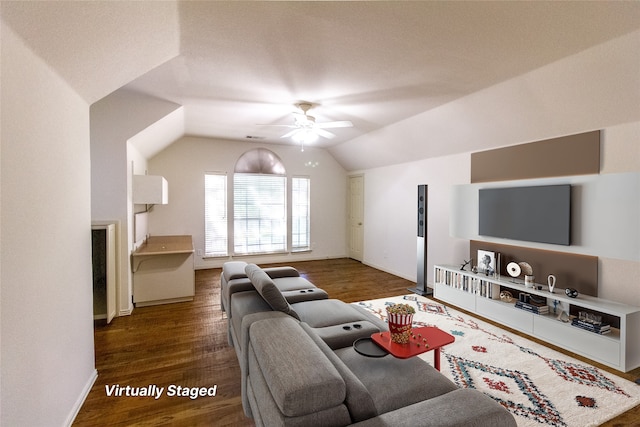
(421,282)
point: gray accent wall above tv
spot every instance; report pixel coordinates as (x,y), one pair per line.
(577,154)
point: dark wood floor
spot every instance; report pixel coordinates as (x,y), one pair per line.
(186,344)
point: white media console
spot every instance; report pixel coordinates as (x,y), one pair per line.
(478,293)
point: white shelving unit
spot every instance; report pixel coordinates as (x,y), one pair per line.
(477,293)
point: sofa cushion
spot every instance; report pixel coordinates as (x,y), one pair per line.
(297,289)
(331,312)
(338,324)
(394,383)
(268,290)
(460,408)
(344,334)
(300,378)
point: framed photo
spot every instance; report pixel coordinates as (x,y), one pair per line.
(486,262)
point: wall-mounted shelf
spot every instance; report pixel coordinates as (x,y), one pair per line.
(480,294)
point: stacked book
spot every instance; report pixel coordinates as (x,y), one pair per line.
(533,307)
(598,328)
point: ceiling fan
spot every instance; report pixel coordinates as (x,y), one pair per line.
(305,129)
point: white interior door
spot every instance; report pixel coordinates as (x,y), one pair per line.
(104,271)
(356,217)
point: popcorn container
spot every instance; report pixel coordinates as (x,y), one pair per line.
(400,327)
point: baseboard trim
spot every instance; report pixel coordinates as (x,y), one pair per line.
(386,270)
(83,396)
(296,257)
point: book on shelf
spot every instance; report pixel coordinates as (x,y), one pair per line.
(533,307)
(464,281)
(602,328)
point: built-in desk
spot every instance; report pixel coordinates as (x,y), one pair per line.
(163,271)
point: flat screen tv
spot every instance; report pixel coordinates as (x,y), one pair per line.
(533,214)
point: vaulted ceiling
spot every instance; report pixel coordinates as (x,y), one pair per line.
(238,66)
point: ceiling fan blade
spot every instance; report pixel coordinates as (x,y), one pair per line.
(291,133)
(280,126)
(339,124)
(324,133)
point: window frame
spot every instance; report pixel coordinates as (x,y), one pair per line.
(296,248)
(224,219)
(227,219)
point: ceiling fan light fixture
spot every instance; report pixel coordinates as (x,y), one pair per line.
(305,136)
(305,121)
(305,130)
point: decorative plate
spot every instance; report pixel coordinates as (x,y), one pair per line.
(513,269)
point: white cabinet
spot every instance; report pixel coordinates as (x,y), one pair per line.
(150,190)
(505,313)
(477,293)
(163,271)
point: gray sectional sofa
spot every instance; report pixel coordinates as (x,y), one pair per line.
(299,366)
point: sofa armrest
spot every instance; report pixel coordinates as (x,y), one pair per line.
(228,288)
(459,408)
(233,270)
(278,272)
(380,324)
(299,295)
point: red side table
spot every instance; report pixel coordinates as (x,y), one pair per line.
(423,339)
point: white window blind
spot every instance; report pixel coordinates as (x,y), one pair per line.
(300,219)
(260,213)
(215,215)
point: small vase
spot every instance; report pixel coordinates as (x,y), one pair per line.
(528,281)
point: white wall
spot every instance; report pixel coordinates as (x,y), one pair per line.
(47,356)
(390,229)
(185,162)
(137,166)
(620,153)
(114,120)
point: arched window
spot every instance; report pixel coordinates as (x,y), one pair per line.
(260,161)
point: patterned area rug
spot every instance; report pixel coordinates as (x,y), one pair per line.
(540,386)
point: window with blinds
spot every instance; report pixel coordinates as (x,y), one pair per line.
(215,215)
(300,219)
(260,213)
